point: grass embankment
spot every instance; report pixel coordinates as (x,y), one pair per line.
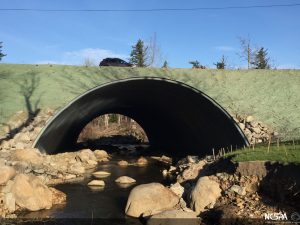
(271,96)
(287,152)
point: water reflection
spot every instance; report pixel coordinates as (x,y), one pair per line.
(85,201)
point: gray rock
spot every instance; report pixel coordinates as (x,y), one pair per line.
(30,193)
(205,194)
(177,189)
(101,174)
(96,183)
(22,166)
(125,180)
(77,168)
(149,199)
(238,189)
(10,202)
(6,173)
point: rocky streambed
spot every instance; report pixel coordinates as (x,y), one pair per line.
(154,190)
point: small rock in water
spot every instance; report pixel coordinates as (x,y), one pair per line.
(101,154)
(165,172)
(123,163)
(142,161)
(96,183)
(125,180)
(101,174)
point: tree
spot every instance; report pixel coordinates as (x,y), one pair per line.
(154,54)
(88,62)
(222,64)
(247,51)
(261,59)
(138,55)
(165,65)
(1,54)
(196,65)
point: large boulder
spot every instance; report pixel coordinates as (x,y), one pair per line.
(149,199)
(28,155)
(6,173)
(85,155)
(174,217)
(205,194)
(30,193)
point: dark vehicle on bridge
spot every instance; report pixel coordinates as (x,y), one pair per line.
(115,62)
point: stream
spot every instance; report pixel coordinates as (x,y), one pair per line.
(85,202)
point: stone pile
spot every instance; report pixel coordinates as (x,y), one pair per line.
(27,192)
(203,194)
(255,131)
(21,135)
(25,174)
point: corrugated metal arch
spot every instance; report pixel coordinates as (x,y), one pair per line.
(176,117)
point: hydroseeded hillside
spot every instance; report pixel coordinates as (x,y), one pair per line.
(271,96)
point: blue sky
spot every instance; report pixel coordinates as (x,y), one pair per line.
(71,37)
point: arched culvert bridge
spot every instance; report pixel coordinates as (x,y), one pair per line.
(176,117)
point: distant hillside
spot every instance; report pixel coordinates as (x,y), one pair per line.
(271,96)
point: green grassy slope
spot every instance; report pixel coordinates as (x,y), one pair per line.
(272,97)
(286,152)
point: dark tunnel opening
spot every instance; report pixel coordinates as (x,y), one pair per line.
(176,117)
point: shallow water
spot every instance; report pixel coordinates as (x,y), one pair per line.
(108,202)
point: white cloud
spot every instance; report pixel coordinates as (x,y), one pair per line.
(78,57)
(225,48)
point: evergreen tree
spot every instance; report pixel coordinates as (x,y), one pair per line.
(222,64)
(1,54)
(165,65)
(197,65)
(261,59)
(138,55)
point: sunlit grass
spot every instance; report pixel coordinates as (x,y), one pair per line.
(287,152)
(271,96)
